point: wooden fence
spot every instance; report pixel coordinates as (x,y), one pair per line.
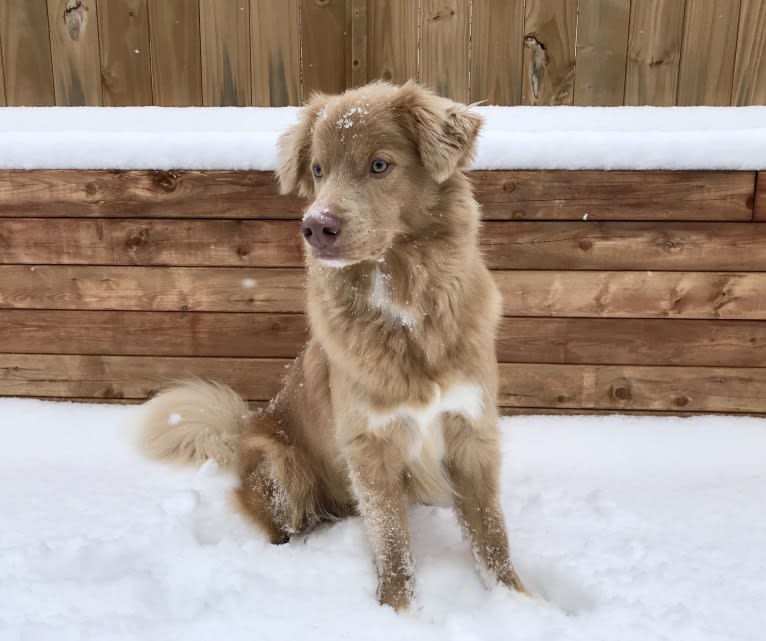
(113,282)
(275,52)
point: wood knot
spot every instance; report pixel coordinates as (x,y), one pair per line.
(509,186)
(243,251)
(519,213)
(586,245)
(137,239)
(75,17)
(387,75)
(355,62)
(750,202)
(111,392)
(276,326)
(91,189)
(681,401)
(166,180)
(622,393)
(561,398)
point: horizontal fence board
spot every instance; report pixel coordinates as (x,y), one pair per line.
(146,241)
(533,340)
(152,333)
(615,195)
(608,294)
(644,294)
(131,377)
(689,246)
(277,243)
(151,288)
(506,195)
(604,341)
(617,387)
(521,385)
(138,193)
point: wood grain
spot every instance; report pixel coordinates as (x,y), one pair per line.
(606,341)
(84,241)
(645,294)
(225,46)
(444,47)
(550,245)
(2,76)
(549,52)
(123,27)
(602,43)
(175,53)
(75,55)
(617,387)
(151,288)
(707,53)
(166,194)
(759,205)
(392,51)
(152,333)
(131,377)
(654,50)
(324,25)
(505,195)
(624,245)
(749,85)
(356,69)
(521,340)
(26,53)
(605,294)
(615,195)
(497,35)
(275,53)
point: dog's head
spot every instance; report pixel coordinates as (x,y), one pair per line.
(371,160)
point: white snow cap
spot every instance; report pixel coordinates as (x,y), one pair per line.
(513,137)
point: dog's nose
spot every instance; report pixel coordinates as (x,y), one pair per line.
(320,230)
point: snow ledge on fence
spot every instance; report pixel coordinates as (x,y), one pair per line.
(513,137)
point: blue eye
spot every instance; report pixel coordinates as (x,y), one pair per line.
(379,166)
(317,169)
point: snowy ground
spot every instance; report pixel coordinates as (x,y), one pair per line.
(625,528)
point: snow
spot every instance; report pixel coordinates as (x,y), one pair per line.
(628,528)
(513,138)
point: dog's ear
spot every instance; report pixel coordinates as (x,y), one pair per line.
(444,131)
(294,150)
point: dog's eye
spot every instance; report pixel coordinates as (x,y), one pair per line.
(317,169)
(379,166)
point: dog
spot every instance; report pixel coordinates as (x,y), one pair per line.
(393,399)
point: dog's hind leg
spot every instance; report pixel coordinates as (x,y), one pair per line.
(473,463)
(278,489)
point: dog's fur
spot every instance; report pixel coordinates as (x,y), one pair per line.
(393,398)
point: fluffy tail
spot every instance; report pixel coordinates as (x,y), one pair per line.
(193,421)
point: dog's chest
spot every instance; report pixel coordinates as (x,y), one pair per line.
(419,430)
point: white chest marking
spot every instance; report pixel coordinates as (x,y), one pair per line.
(466,399)
(380,298)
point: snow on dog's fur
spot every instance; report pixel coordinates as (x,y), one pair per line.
(393,398)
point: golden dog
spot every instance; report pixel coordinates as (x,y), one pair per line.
(393,399)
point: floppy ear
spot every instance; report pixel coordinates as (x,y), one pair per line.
(444,131)
(294,150)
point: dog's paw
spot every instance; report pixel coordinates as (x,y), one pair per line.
(511,580)
(396,592)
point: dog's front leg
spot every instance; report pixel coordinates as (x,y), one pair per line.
(474,466)
(377,474)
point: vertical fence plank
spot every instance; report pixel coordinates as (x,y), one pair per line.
(602,47)
(549,52)
(175,50)
(654,49)
(357,69)
(444,47)
(392,51)
(707,52)
(26,53)
(275,52)
(324,26)
(74,52)
(225,35)
(123,27)
(749,87)
(497,30)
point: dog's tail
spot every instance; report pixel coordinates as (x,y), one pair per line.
(193,421)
